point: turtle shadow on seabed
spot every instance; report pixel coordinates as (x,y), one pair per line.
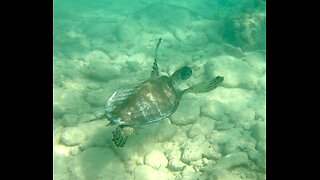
(98,158)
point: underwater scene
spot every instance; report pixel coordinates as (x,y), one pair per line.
(159,89)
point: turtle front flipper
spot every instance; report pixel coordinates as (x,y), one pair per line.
(205,86)
(155,69)
(120,135)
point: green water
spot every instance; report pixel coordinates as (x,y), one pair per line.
(103,45)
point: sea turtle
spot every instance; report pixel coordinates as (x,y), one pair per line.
(149,101)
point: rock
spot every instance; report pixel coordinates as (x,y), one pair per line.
(238,109)
(102,70)
(156,159)
(70,120)
(75,150)
(246,30)
(235,141)
(128,30)
(69,101)
(191,152)
(188,173)
(174,153)
(232,160)
(97,163)
(193,39)
(186,114)
(232,50)
(144,172)
(261,163)
(97,55)
(61,164)
(129,166)
(257,60)
(139,161)
(253,155)
(175,165)
(193,131)
(92,85)
(72,136)
(97,98)
(223,125)
(237,73)
(99,67)
(203,126)
(215,110)
(212,154)
(165,132)
(258,131)
(97,134)
(215,173)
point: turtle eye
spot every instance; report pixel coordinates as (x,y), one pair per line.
(186,72)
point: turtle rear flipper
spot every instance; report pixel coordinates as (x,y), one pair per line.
(97,116)
(120,135)
(205,86)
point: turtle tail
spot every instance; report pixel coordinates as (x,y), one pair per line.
(97,116)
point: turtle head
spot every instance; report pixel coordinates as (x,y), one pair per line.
(181,74)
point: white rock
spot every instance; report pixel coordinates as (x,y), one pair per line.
(240,108)
(191,152)
(174,153)
(236,72)
(257,60)
(75,150)
(212,154)
(61,164)
(156,159)
(97,55)
(129,166)
(72,136)
(102,70)
(233,160)
(98,163)
(192,39)
(69,101)
(188,173)
(144,172)
(215,110)
(97,97)
(139,161)
(187,113)
(193,131)
(232,50)
(176,165)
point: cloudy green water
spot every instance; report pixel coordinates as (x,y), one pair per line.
(103,45)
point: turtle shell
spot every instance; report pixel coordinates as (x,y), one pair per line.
(149,101)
